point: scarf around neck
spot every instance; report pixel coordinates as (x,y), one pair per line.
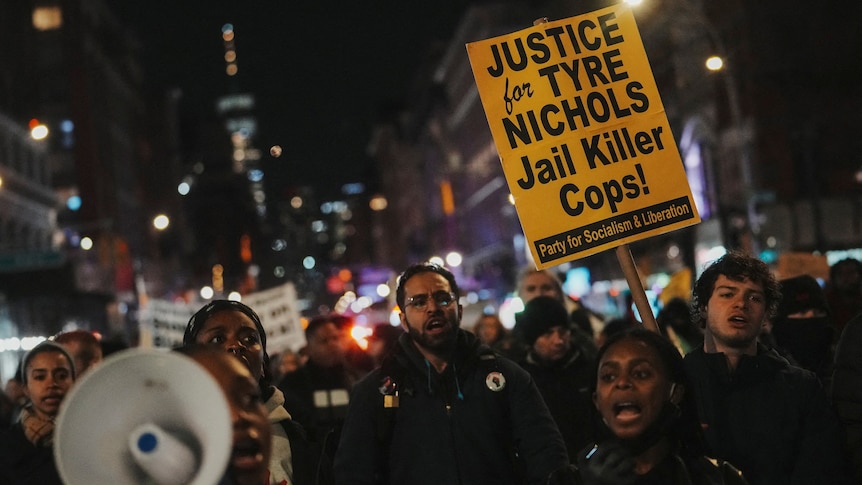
(38,431)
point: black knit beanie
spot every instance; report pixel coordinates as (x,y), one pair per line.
(541,314)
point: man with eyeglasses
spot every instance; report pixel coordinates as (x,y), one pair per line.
(772,420)
(442,408)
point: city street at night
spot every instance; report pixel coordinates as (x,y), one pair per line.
(289,160)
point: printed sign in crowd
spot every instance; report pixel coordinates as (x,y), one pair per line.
(582,135)
(164,322)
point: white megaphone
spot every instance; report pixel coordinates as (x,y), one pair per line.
(144,416)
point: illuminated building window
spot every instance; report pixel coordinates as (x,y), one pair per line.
(47,18)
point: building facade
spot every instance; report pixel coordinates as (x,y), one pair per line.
(73,222)
(765,140)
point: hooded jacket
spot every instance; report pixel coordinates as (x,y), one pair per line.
(565,387)
(770,419)
(847,389)
(294,460)
(481,421)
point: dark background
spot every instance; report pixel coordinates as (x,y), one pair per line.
(322,73)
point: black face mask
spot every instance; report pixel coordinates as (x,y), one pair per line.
(851,289)
(807,340)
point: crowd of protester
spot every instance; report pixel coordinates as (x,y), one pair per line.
(750,380)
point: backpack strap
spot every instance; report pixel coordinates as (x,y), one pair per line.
(394,382)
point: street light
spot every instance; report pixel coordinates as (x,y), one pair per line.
(714,63)
(454,259)
(161,222)
(184,188)
(694,20)
(38,130)
(741,142)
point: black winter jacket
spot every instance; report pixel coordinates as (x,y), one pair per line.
(565,387)
(23,463)
(672,471)
(847,389)
(482,421)
(770,419)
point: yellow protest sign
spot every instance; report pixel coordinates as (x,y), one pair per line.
(582,134)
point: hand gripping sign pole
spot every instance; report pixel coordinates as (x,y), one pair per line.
(583,139)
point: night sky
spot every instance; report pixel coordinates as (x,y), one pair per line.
(321,71)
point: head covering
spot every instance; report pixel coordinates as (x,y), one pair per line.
(541,314)
(806,341)
(45,346)
(799,294)
(197,321)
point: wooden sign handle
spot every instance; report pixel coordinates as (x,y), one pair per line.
(627,263)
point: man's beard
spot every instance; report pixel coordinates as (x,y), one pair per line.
(739,341)
(439,344)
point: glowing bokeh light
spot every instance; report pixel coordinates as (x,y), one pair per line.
(714,63)
(309,262)
(454,259)
(161,222)
(86,243)
(39,132)
(74,202)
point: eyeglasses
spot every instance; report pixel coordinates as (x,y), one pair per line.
(442,299)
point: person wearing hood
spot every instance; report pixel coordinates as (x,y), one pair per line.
(561,370)
(442,408)
(803,328)
(844,292)
(769,418)
(236,328)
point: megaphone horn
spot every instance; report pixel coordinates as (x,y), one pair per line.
(134,419)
